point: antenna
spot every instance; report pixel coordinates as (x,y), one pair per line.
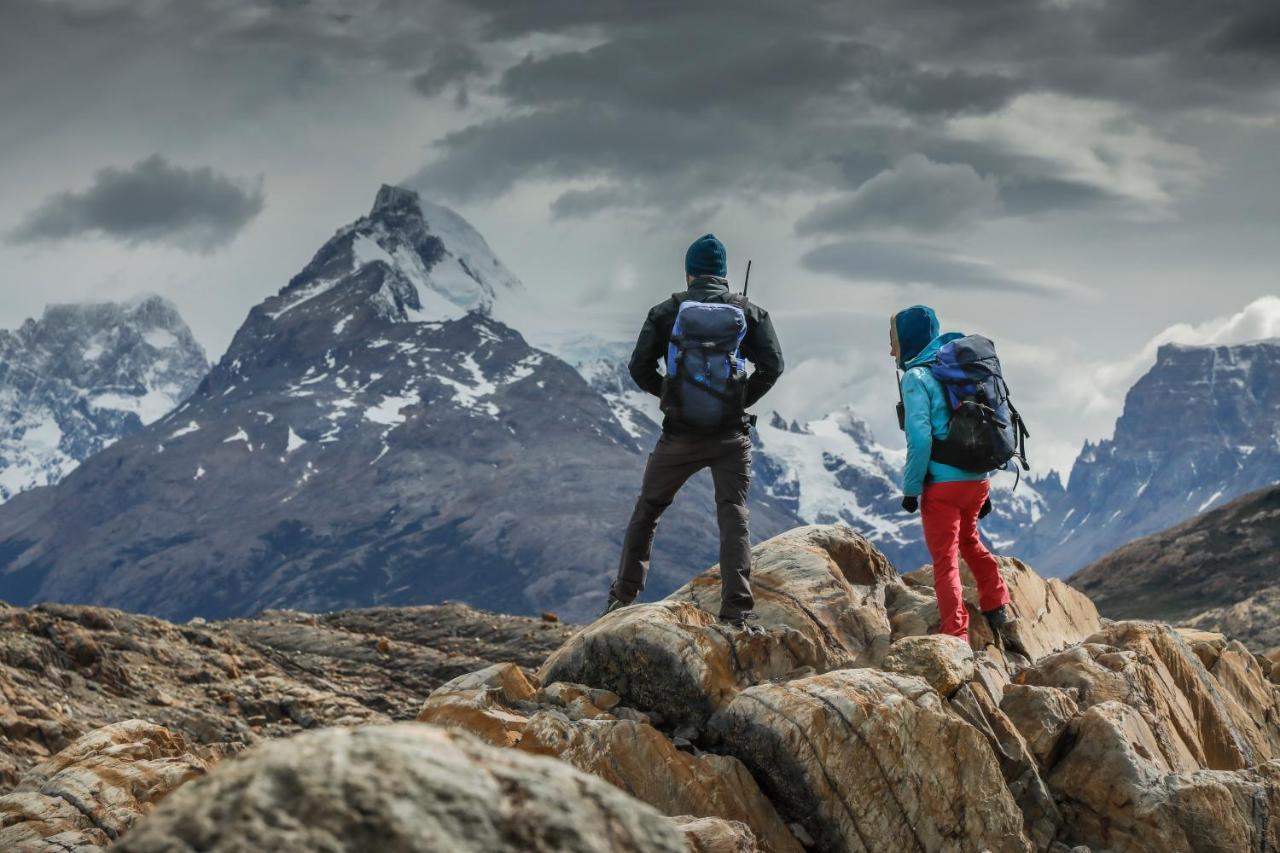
(746,281)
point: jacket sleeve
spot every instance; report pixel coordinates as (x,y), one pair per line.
(919,429)
(648,352)
(763,350)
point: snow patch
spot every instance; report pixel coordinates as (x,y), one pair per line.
(388,412)
(160,338)
(240,435)
(1213,497)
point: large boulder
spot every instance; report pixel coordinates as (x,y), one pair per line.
(974,704)
(1041,716)
(92,792)
(868,761)
(819,600)
(396,789)
(579,725)
(943,661)
(1198,724)
(1120,794)
(1248,678)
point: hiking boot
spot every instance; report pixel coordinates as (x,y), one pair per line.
(743,622)
(614,604)
(999,617)
(1002,622)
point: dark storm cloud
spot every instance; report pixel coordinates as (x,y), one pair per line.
(830,84)
(451,66)
(667,104)
(152,201)
(907,264)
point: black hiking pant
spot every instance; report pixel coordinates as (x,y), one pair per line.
(674,460)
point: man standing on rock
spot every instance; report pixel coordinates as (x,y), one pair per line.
(951,500)
(705,335)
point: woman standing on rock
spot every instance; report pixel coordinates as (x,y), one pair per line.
(951,500)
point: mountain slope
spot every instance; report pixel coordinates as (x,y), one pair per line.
(1225,562)
(372,436)
(1201,428)
(83,376)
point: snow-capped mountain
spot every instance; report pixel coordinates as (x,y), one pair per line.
(1201,428)
(833,470)
(82,377)
(372,435)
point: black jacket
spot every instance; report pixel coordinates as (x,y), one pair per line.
(760,346)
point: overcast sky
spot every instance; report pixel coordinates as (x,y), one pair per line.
(1074,178)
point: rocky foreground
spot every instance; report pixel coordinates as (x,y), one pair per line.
(844,725)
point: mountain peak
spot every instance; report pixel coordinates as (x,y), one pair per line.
(83,376)
(394,199)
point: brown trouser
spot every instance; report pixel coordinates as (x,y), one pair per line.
(674,460)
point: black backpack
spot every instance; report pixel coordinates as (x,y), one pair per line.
(986,430)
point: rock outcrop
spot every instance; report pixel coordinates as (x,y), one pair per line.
(867,731)
(588,729)
(1254,621)
(400,788)
(866,760)
(66,670)
(841,722)
(820,602)
(93,791)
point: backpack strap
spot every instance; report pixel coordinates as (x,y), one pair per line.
(902,404)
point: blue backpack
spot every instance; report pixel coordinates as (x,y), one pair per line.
(986,430)
(706,385)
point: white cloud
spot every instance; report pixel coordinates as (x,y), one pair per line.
(1091,143)
(917,194)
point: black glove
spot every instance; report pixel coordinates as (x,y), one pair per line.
(986,509)
(910,504)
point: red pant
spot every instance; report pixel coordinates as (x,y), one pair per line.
(949,513)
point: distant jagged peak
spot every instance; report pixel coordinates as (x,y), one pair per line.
(848,421)
(432,265)
(147,310)
(100,332)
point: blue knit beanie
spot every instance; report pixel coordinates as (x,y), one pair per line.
(706,257)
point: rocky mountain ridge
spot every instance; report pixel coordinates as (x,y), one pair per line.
(84,376)
(844,724)
(1200,429)
(1218,571)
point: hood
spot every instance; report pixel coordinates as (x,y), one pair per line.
(930,351)
(913,328)
(705,286)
